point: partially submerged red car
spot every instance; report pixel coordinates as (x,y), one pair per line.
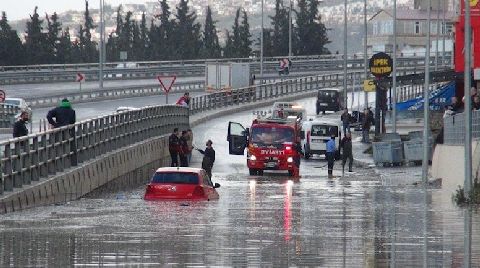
(181,183)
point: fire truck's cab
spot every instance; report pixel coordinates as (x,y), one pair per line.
(272,144)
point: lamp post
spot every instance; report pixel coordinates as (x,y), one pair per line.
(365,60)
(261,48)
(468,102)
(426,101)
(394,77)
(290,31)
(101,51)
(345,53)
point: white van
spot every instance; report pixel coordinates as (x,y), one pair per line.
(316,133)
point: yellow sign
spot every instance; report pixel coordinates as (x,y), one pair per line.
(368,85)
(473,3)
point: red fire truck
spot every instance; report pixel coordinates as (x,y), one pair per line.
(272,144)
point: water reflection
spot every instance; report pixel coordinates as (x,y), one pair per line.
(273,223)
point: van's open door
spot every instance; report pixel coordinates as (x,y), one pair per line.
(237,138)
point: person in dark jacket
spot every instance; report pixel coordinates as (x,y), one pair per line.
(19,128)
(345,118)
(61,116)
(366,124)
(208,158)
(183,152)
(346,145)
(174,147)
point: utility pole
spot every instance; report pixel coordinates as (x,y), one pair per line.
(444,32)
(290,31)
(365,60)
(101,45)
(426,100)
(468,101)
(261,48)
(394,77)
(437,38)
(345,57)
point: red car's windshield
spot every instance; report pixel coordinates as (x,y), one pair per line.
(271,135)
(175,177)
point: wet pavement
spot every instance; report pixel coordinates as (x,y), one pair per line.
(374,217)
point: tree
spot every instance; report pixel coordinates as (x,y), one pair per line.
(211,47)
(162,37)
(144,43)
(125,38)
(11,48)
(87,46)
(54,29)
(245,41)
(64,48)
(36,43)
(229,49)
(187,32)
(280,30)
(311,32)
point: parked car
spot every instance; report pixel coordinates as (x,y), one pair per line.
(181,183)
(18,103)
(126,108)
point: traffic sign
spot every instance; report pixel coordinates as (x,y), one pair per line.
(80,77)
(2,96)
(368,85)
(381,64)
(166,82)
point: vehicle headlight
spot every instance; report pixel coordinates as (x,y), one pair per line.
(253,158)
(290,159)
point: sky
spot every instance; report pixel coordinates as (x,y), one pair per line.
(20,9)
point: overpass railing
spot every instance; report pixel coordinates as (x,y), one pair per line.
(45,154)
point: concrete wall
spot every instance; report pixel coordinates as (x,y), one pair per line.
(132,165)
(448,163)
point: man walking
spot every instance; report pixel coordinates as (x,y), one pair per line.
(346,145)
(174,147)
(20,128)
(331,154)
(366,124)
(61,116)
(345,118)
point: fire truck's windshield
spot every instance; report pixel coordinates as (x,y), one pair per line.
(269,135)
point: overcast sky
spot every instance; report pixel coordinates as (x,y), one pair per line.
(19,9)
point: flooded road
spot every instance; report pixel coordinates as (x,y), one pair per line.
(370,218)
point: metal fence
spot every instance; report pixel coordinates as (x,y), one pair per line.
(454,128)
(33,157)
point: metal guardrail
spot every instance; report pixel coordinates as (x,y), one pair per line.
(114,93)
(189,69)
(86,66)
(41,155)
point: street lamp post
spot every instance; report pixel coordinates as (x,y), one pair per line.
(394,77)
(365,60)
(468,101)
(426,101)
(261,48)
(437,37)
(345,53)
(290,31)
(444,31)
(101,45)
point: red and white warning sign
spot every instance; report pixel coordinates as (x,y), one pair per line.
(284,63)
(166,82)
(2,96)
(80,77)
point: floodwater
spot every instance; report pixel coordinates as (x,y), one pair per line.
(370,218)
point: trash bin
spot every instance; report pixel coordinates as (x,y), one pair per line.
(414,150)
(390,137)
(388,153)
